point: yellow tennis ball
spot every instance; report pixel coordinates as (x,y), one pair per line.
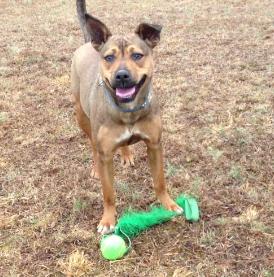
(113,247)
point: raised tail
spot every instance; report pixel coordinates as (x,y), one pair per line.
(81,11)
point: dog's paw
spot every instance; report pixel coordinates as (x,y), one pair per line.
(127,157)
(171,205)
(94,173)
(106,225)
(127,161)
(104,230)
(176,208)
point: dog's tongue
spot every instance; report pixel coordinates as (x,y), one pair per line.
(125,92)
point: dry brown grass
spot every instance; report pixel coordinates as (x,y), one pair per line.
(77,265)
(214,76)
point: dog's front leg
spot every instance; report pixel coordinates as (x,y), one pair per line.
(105,170)
(155,157)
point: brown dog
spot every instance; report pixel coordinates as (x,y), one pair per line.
(115,105)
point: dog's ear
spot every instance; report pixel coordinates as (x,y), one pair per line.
(150,33)
(98,31)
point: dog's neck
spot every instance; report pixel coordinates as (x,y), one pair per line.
(140,105)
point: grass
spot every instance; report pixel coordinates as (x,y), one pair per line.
(76,265)
(171,169)
(214,79)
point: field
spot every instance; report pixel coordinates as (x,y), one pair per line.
(214,74)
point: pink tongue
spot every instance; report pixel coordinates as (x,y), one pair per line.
(125,92)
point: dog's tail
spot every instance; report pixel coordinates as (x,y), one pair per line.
(81,11)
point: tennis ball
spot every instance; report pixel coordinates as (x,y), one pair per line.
(113,247)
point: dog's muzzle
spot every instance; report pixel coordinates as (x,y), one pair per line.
(123,79)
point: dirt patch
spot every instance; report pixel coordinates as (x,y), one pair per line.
(214,76)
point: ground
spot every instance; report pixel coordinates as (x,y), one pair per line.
(214,77)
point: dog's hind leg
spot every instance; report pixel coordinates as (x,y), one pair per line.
(82,118)
(84,123)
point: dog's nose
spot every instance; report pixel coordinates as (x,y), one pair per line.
(122,75)
(123,79)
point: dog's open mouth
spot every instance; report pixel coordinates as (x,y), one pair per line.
(125,93)
(128,94)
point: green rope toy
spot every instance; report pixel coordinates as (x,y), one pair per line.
(132,223)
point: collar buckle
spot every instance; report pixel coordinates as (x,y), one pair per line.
(100,82)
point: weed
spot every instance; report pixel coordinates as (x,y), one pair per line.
(196,186)
(215,153)
(208,238)
(3,117)
(79,205)
(235,172)
(77,264)
(171,169)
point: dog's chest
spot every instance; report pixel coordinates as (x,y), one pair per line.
(131,136)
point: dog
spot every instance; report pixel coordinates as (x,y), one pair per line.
(111,83)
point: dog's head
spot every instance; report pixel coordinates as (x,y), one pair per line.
(126,62)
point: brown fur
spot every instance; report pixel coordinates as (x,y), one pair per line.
(108,128)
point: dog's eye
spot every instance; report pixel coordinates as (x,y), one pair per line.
(109,58)
(137,56)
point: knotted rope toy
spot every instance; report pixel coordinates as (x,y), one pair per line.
(132,223)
